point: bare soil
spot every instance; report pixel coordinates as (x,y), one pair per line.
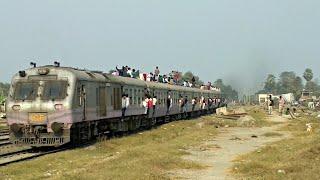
(219,153)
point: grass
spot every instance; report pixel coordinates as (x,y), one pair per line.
(259,115)
(294,158)
(147,155)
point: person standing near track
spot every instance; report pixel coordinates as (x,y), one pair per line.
(281,105)
(270,105)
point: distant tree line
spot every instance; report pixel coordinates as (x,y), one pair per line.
(4,90)
(289,82)
(227,91)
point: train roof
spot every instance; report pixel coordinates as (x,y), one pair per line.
(83,74)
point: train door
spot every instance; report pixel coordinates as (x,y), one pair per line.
(82,99)
(116,101)
(102,101)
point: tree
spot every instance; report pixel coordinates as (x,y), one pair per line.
(188,77)
(270,85)
(290,83)
(311,86)
(4,89)
(226,90)
(219,83)
(308,74)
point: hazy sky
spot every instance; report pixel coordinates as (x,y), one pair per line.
(238,40)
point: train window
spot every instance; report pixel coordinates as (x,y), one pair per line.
(131,96)
(26,90)
(139,97)
(135,96)
(126,91)
(79,96)
(54,90)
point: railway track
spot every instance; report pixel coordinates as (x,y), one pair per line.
(27,154)
(4,140)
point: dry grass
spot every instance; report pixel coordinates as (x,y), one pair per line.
(148,155)
(295,158)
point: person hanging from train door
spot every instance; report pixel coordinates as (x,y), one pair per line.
(181,103)
(145,104)
(154,103)
(210,102)
(204,104)
(124,106)
(194,103)
(150,105)
(169,103)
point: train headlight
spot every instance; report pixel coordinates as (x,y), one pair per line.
(57,127)
(58,107)
(16,107)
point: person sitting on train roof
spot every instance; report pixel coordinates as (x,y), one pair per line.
(129,72)
(160,79)
(120,71)
(149,77)
(193,81)
(185,84)
(157,71)
(135,74)
(165,79)
(115,73)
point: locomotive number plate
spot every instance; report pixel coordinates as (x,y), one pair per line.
(37,117)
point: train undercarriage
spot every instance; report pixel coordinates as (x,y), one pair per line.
(85,131)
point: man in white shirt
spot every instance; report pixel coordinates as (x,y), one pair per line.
(129,72)
(124,105)
(154,103)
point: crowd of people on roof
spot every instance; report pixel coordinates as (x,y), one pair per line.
(172,78)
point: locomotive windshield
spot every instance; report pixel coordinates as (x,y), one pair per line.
(55,90)
(26,91)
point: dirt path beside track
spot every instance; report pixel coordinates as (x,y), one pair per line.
(219,153)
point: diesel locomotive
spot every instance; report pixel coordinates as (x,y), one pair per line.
(53,105)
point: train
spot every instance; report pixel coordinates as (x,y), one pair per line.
(53,105)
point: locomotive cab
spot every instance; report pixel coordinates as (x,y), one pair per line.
(38,107)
